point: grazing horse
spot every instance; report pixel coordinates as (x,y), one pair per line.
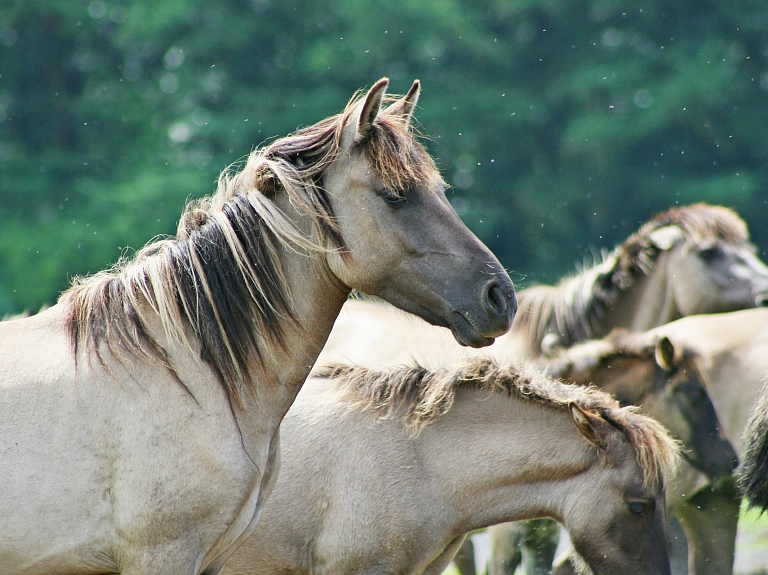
(653,374)
(139,415)
(687,260)
(386,471)
(732,355)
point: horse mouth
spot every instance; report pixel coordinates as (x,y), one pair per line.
(466,334)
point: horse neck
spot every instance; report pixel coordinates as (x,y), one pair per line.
(501,459)
(647,303)
(317,297)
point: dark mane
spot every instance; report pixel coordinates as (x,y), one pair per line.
(420,396)
(573,308)
(218,288)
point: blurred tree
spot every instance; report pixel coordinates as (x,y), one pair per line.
(561,125)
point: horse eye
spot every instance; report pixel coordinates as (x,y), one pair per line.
(710,254)
(394,199)
(639,508)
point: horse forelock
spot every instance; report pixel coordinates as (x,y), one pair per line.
(396,157)
(420,396)
(573,308)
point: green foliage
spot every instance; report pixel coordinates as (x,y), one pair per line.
(562,125)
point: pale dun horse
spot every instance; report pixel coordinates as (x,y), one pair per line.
(384,472)
(139,415)
(687,260)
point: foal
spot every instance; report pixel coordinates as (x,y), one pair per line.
(386,471)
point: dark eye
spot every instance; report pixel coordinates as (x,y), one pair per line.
(394,199)
(712,253)
(640,508)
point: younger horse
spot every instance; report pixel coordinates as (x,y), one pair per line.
(666,384)
(139,416)
(385,471)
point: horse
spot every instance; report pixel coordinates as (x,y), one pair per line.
(385,471)
(732,352)
(664,381)
(687,260)
(139,415)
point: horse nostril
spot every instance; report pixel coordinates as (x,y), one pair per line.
(761,300)
(497,301)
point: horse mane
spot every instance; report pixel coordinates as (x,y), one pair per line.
(585,357)
(420,396)
(574,307)
(752,478)
(218,288)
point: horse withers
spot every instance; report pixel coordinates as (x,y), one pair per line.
(139,415)
(386,471)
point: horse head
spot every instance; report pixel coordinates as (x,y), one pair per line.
(712,266)
(625,532)
(664,382)
(389,201)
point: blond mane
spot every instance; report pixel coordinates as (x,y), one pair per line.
(218,288)
(574,307)
(420,396)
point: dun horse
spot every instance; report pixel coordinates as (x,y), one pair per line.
(688,260)
(384,472)
(732,356)
(139,416)
(665,382)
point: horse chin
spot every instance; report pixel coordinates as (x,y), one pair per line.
(466,334)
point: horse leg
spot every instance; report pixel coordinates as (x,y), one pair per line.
(710,519)
(540,539)
(505,548)
(465,558)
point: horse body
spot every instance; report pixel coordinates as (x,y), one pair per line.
(359,493)
(140,414)
(730,351)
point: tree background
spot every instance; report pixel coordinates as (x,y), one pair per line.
(561,125)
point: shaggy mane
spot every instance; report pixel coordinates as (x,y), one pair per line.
(218,288)
(579,361)
(573,308)
(420,396)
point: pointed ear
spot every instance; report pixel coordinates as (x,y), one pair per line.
(370,109)
(666,237)
(665,354)
(404,106)
(585,425)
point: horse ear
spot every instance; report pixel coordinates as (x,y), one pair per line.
(370,109)
(665,353)
(585,425)
(404,106)
(666,237)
